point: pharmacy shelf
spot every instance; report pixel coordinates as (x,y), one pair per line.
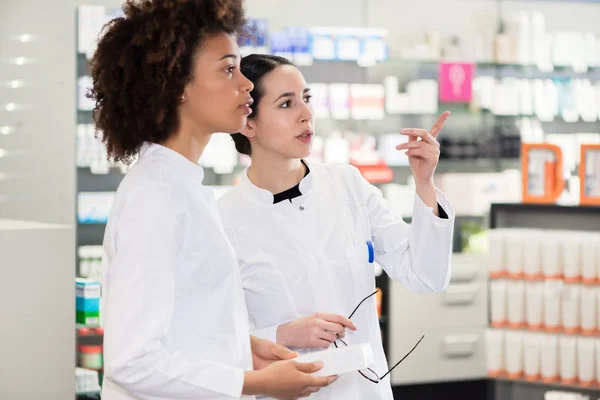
(89,182)
(540,216)
(545,216)
(90,234)
(546,332)
(88,395)
(511,389)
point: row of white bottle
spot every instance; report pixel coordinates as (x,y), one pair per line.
(543,357)
(550,305)
(561,395)
(535,254)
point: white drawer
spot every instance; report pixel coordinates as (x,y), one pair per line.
(461,304)
(450,354)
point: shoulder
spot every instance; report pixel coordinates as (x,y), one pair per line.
(152,186)
(231,200)
(233,208)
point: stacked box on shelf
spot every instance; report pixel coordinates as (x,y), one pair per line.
(87,301)
(545,306)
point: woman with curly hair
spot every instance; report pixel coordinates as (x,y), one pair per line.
(165,78)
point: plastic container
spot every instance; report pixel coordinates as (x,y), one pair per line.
(516,304)
(589,259)
(551,254)
(597,345)
(552,305)
(494,339)
(531,348)
(570,308)
(532,265)
(549,358)
(496,260)
(534,305)
(513,353)
(571,255)
(568,359)
(588,310)
(586,361)
(498,290)
(90,357)
(515,250)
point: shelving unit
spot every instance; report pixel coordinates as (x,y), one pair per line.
(551,217)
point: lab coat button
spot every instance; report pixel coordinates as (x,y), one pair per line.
(301,208)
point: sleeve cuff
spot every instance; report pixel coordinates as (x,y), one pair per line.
(269,333)
(237,384)
(445,209)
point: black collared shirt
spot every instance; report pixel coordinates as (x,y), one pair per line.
(294,192)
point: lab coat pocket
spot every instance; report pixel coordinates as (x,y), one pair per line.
(360,259)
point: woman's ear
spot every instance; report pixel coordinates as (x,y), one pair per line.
(250,129)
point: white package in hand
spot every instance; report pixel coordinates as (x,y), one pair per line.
(338,361)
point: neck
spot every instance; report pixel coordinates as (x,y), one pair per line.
(189,143)
(275,175)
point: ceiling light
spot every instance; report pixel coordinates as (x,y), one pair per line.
(25,38)
(16,84)
(6,130)
(20,60)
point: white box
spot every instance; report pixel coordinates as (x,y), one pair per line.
(338,361)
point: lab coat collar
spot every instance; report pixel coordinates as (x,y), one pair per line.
(179,161)
(265,197)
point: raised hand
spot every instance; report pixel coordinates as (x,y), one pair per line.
(423,150)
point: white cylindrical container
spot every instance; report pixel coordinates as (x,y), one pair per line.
(531,349)
(570,308)
(551,254)
(513,354)
(532,265)
(498,290)
(534,305)
(586,357)
(597,344)
(571,256)
(552,305)
(549,358)
(588,310)
(516,304)
(496,259)
(589,259)
(494,352)
(568,359)
(515,247)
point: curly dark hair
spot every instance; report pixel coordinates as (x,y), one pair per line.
(143,62)
(255,67)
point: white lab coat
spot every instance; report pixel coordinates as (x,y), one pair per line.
(176,324)
(310,255)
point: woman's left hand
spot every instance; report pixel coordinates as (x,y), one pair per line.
(265,352)
(423,150)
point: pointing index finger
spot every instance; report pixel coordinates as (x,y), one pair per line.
(437,128)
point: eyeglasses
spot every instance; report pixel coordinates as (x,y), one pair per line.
(368,373)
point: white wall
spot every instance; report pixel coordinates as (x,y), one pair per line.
(37,310)
(37,172)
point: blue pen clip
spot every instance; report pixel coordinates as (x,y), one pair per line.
(371,252)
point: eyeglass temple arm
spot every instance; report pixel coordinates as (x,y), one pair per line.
(403,358)
(362,301)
